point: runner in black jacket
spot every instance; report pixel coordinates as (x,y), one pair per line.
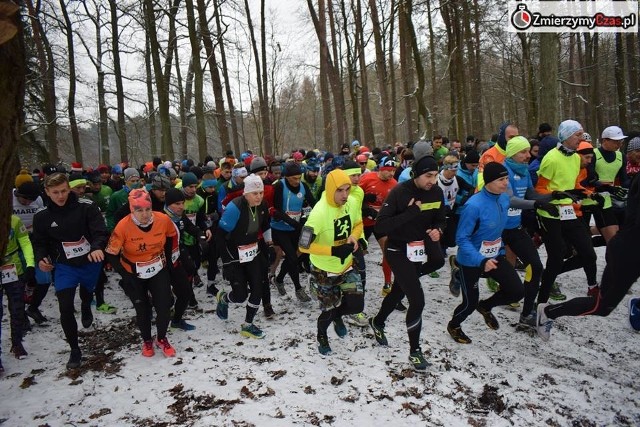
(413,218)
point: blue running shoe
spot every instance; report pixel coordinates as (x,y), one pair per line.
(182,324)
(634,314)
(339,327)
(222,309)
(323,345)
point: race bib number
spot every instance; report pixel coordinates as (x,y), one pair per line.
(148,269)
(247,253)
(306,211)
(416,252)
(76,249)
(567,213)
(192,218)
(175,254)
(514,212)
(490,249)
(294,215)
(8,273)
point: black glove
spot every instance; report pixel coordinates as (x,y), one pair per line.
(598,199)
(574,194)
(342,251)
(371,213)
(204,245)
(619,193)
(370,197)
(550,208)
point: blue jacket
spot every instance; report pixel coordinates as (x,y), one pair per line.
(482,221)
(519,181)
(471,178)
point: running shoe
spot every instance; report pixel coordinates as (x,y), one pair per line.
(386,289)
(528,321)
(434,275)
(489,318)
(252,331)
(279,285)
(182,324)
(106,308)
(543,323)
(167,349)
(339,327)
(36,315)
(492,285)
(268,311)
(212,289)
(358,319)
(302,295)
(514,305)
(323,344)
(418,361)
(378,333)
(75,359)
(222,308)
(147,349)
(634,313)
(457,334)
(556,294)
(18,351)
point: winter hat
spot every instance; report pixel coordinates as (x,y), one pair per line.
(76,167)
(502,137)
(239,172)
(173,195)
(297,156)
(49,169)
(547,144)
(471,157)
(362,158)
(313,166)
(76,179)
(208,180)
(253,184)
(160,182)
(388,165)
(585,148)
(94,177)
(188,179)
(613,132)
(103,169)
(587,137)
(292,169)
(167,164)
(544,127)
(258,164)
(197,171)
(424,165)
(420,149)
(23,176)
(355,143)
(568,128)
(328,155)
(516,145)
(139,198)
(29,190)
(493,171)
(634,144)
(130,173)
(117,169)
(351,168)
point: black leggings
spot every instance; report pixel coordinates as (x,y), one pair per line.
(247,281)
(67,312)
(521,244)
(620,273)
(288,241)
(15,303)
(160,289)
(556,235)
(407,282)
(350,304)
(511,289)
(181,286)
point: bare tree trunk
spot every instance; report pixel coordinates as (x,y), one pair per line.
(367,123)
(591,68)
(351,74)
(381,72)
(435,97)
(161,86)
(198,74)
(476,73)
(12,88)
(71,98)
(406,14)
(153,138)
(216,82)
(633,71)
(392,74)
(47,74)
(336,79)
(117,74)
(264,108)
(406,72)
(530,104)
(549,51)
(332,69)
(182,110)
(621,85)
(235,135)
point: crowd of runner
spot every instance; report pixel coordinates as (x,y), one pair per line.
(310,214)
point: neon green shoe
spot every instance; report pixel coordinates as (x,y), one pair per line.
(492,285)
(434,275)
(252,331)
(106,308)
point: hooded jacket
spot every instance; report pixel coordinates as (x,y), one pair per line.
(332,225)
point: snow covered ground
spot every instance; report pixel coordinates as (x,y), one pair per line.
(586,375)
